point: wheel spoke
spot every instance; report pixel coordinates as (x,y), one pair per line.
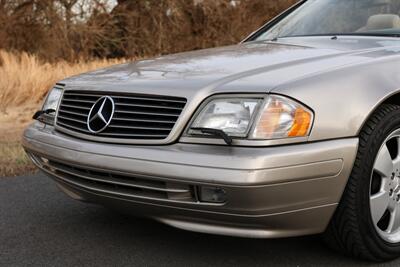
(394,220)
(379,203)
(398,146)
(385,189)
(384,163)
(396,161)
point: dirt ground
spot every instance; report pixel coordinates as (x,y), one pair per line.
(13,161)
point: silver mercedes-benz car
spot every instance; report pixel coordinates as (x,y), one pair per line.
(295,131)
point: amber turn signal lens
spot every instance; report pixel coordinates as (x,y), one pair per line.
(301,123)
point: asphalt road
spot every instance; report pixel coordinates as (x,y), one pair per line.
(40,226)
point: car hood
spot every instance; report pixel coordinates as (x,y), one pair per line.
(253,66)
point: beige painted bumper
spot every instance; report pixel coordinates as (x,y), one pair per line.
(271,191)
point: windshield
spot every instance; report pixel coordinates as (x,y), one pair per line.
(339,17)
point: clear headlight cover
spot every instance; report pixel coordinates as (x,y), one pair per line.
(282,117)
(52,99)
(233,116)
(272,117)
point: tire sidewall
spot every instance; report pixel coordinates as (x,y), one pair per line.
(377,137)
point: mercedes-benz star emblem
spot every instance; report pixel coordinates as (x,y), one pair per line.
(101,114)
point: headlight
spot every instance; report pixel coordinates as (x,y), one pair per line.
(262,118)
(233,116)
(52,99)
(50,106)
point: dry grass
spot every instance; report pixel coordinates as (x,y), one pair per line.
(25,80)
(13,160)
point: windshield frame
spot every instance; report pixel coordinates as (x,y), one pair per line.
(254,35)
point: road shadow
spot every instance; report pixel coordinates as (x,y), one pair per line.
(40,226)
(174,247)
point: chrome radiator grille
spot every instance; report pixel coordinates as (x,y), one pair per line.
(135,116)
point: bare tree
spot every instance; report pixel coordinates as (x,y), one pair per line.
(83,29)
(69,14)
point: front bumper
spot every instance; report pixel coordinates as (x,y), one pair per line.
(271,191)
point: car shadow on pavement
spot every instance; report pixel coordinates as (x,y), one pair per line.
(40,226)
(158,243)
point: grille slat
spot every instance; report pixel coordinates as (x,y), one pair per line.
(138,128)
(135,116)
(146,113)
(74,106)
(183,102)
(143,120)
(147,106)
(70,119)
(71,113)
(79,95)
(73,127)
(115,179)
(139,136)
(78,101)
(84,112)
(119,97)
(118,184)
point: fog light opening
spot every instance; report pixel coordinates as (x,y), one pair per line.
(211,194)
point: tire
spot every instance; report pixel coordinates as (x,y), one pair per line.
(352,229)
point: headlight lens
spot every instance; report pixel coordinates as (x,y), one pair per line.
(233,116)
(52,99)
(271,117)
(51,103)
(282,117)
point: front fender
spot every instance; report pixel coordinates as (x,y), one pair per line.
(344,98)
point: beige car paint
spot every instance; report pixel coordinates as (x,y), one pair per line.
(274,188)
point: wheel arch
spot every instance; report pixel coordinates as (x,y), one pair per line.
(392,98)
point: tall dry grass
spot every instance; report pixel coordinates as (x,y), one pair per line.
(24,79)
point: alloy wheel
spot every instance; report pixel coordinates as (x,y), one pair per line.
(385,189)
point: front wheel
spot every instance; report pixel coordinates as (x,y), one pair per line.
(366,223)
